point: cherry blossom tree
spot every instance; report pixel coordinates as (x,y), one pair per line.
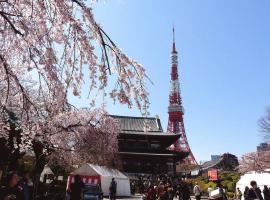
(48,50)
(57,41)
(255,161)
(259,160)
(81,139)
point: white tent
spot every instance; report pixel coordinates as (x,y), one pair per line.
(46,171)
(262,178)
(106,174)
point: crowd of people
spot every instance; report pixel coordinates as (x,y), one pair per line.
(254,192)
(15,188)
(168,189)
(157,188)
(163,188)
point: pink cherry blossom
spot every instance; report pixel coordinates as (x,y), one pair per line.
(48,50)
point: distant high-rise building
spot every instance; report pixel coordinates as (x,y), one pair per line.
(263,147)
(215,157)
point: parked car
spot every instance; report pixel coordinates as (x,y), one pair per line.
(92,192)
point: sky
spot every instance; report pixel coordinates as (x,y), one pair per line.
(224,64)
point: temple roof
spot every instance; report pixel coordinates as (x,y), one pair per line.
(139,124)
(146,129)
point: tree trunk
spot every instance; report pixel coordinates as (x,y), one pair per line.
(39,166)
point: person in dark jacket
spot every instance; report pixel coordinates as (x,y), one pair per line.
(113,188)
(254,192)
(27,185)
(246,193)
(76,188)
(12,191)
(266,193)
(185,192)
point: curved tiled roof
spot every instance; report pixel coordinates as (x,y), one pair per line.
(138,124)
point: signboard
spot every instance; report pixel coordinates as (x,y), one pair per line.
(195,172)
(213,174)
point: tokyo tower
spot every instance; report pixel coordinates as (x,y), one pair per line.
(176,111)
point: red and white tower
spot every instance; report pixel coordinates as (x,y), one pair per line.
(176,111)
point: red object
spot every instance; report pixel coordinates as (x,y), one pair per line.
(85,179)
(176,111)
(213,174)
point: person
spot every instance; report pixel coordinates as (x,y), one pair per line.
(161,192)
(222,191)
(197,191)
(266,193)
(185,192)
(254,192)
(12,191)
(151,193)
(132,187)
(170,190)
(113,188)
(238,194)
(179,189)
(26,184)
(141,186)
(246,193)
(175,189)
(76,188)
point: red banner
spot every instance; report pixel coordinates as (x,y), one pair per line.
(213,174)
(85,179)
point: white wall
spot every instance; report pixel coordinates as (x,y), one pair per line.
(123,186)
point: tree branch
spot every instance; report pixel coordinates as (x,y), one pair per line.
(3,14)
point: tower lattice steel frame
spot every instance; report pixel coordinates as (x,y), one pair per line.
(176,111)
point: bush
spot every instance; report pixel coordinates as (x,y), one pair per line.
(228,180)
(230,194)
(231,186)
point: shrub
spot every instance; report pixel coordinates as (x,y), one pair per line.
(230,194)
(228,180)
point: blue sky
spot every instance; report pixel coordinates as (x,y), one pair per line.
(224,64)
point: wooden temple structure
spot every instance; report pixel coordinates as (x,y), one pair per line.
(143,146)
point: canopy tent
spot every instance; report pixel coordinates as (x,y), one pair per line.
(262,178)
(103,175)
(46,171)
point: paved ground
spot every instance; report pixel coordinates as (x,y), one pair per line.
(137,197)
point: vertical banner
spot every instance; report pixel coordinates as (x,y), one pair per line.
(213,174)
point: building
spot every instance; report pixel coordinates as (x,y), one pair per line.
(225,162)
(176,114)
(215,157)
(143,146)
(263,147)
